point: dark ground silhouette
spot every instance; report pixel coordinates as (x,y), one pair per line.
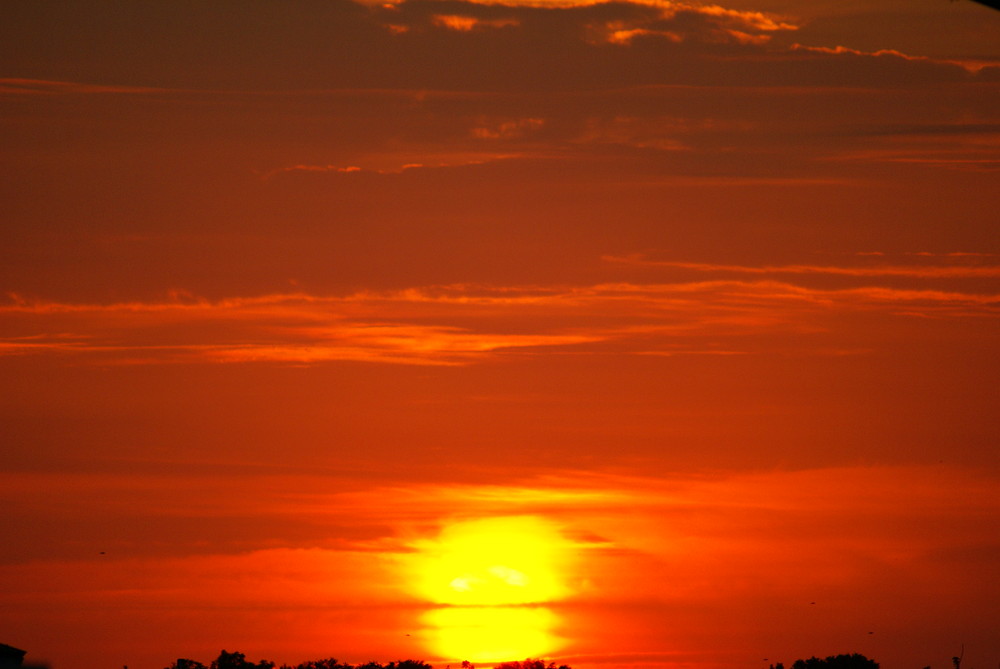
(12,658)
(853,661)
(227,660)
(236,660)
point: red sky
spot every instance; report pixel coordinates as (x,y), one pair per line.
(645,333)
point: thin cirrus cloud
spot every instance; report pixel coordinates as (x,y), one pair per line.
(15,86)
(970,65)
(461,324)
(981,158)
(377,163)
(914,271)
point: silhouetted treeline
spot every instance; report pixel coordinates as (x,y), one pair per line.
(227,660)
(527,664)
(853,661)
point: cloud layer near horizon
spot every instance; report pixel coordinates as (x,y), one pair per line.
(783,544)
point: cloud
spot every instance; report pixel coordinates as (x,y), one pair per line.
(966,145)
(421,44)
(12,86)
(439,161)
(468,23)
(324,168)
(913,271)
(460,324)
(953,157)
(970,65)
(602,511)
(506,129)
(593,23)
(679,22)
(281,328)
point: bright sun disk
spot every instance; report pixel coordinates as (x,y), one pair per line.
(488,577)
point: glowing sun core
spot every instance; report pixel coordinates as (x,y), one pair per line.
(496,561)
(488,577)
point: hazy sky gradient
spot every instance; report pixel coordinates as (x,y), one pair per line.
(291,288)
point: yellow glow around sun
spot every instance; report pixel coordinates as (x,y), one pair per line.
(489,577)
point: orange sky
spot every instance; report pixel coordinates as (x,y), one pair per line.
(639,334)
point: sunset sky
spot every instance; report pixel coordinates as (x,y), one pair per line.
(647,334)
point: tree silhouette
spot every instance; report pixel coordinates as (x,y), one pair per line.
(227,660)
(408,664)
(853,661)
(183,663)
(397,664)
(529,664)
(326,663)
(238,661)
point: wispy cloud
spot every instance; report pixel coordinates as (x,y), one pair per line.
(942,158)
(601,22)
(506,128)
(426,161)
(460,324)
(970,65)
(462,23)
(11,86)
(915,271)
(679,22)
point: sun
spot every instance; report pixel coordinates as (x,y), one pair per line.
(494,561)
(490,579)
(492,633)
